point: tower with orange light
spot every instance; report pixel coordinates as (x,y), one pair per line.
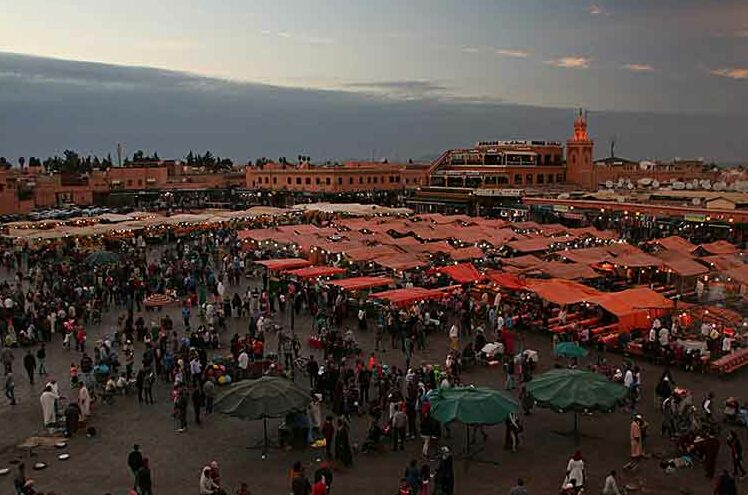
(580,169)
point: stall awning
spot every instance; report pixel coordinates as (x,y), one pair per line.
(718,247)
(637,260)
(588,256)
(674,243)
(527,261)
(468,253)
(361,283)
(284,263)
(562,292)
(633,306)
(372,252)
(505,280)
(462,273)
(400,262)
(537,244)
(681,263)
(402,297)
(568,271)
(315,271)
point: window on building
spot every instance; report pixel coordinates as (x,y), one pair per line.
(368,180)
(541,179)
(528,179)
(547,159)
(298,181)
(360,180)
(392,180)
(550,179)
(502,180)
(267,180)
(308,181)
(397,179)
(518,178)
(129,182)
(316,180)
(288,181)
(375,180)
(140,182)
(275,180)
(340,181)
(350,180)
(490,180)
(560,178)
(407,181)
(327,181)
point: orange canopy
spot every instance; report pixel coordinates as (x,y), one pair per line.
(284,263)
(400,262)
(372,252)
(522,261)
(462,273)
(315,271)
(633,307)
(562,292)
(568,271)
(361,283)
(589,256)
(401,297)
(537,244)
(718,247)
(675,243)
(681,263)
(637,260)
(468,253)
(621,248)
(506,280)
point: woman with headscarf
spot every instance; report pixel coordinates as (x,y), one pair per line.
(84,401)
(575,470)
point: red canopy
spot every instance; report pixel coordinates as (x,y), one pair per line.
(315,271)
(569,271)
(402,297)
(284,263)
(468,253)
(681,263)
(462,273)
(361,283)
(718,247)
(633,306)
(506,280)
(400,262)
(674,243)
(562,292)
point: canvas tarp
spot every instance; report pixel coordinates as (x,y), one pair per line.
(402,297)
(462,273)
(362,283)
(527,261)
(400,262)
(718,247)
(675,243)
(505,280)
(315,271)
(637,260)
(588,256)
(681,263)
(562,292)
(633,307)
(568,271)
(284,263)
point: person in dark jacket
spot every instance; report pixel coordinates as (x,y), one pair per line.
(135,460)
(29,362)
(143,481)
(444,478)
(725,485)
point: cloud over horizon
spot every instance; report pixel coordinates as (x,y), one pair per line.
(49,105)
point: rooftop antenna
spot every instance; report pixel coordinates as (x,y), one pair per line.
(613,147)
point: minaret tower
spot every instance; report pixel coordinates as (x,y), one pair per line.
(580,170)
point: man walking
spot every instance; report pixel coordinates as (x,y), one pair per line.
(209,392)
(29,362)
(41,358)
(10,387)
(135,461)
(399,422)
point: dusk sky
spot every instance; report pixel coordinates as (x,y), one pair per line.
(371,79)
(664,55)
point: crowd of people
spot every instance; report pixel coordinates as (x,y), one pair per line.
(56,295)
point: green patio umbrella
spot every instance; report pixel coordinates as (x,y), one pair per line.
(575,390)
(570,350)
(471,406)
(102,258)
(266,397)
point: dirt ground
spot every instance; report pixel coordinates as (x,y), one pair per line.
(98,465)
